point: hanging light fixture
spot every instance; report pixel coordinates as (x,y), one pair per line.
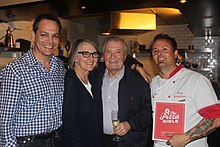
(208,21)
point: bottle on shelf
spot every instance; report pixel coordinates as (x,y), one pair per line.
(9,41)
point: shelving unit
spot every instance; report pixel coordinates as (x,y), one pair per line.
(204,50)
(8,55)
(203,60)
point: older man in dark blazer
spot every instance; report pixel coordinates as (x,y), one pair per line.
(127,92)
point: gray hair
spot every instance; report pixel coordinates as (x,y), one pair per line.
(75,49)
(116,39)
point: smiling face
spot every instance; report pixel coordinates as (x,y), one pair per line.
(114,56)
(86,63)
(46,38)
(164,55)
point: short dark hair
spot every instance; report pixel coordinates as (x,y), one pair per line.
(165,37)
(48,17)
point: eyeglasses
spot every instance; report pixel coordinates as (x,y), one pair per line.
(87,54)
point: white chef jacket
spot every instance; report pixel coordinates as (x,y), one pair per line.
(187,86)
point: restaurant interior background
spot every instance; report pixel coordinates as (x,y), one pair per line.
(195,24)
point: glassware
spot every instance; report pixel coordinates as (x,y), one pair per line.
(115,123)
(195,62)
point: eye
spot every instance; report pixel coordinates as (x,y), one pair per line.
(154,51)
(95,54)
(86,54)
(56,36)
(43,35)
(165,49)
(119,51)
(107,52)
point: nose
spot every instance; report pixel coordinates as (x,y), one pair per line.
(112,55)
(159,52)
(50,39)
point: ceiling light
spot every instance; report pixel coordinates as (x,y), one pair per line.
(106,33)
(83,7)
(183,1)
(139,21)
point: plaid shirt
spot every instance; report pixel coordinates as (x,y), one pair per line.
(30,98)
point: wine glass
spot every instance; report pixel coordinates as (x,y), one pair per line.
(115,123)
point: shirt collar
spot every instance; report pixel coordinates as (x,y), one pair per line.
(33,61)
(176,70)
(119,76)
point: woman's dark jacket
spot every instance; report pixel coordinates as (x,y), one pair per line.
(82,113)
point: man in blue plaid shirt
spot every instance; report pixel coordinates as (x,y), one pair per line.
(31,91)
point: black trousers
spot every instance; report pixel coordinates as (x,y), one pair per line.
(47,140)
(108,142)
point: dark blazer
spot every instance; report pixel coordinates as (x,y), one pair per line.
(82,114)
(134,103)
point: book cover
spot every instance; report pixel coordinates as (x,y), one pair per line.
(169,118)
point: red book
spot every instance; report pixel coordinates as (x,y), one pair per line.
(169,118)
